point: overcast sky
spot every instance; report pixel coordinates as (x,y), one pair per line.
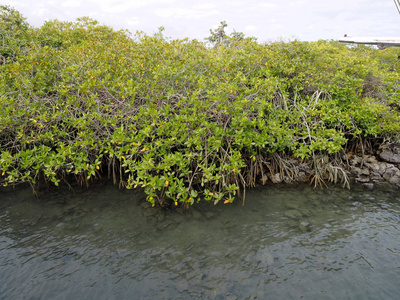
(268,20)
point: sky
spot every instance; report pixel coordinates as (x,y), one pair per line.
(267,20)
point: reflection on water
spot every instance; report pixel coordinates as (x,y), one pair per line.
(285,243)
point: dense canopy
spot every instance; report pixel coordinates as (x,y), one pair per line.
(179,118)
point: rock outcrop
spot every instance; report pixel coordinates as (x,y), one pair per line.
(390,153)
(384,167)
(368,169)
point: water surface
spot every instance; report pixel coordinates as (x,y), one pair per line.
(285,243)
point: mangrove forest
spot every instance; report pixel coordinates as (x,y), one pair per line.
(185,119)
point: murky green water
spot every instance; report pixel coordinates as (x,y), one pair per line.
(285,243)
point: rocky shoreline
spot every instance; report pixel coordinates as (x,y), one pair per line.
(384,166)
(381,166)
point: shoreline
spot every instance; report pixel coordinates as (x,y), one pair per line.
(376,168)
(368,169)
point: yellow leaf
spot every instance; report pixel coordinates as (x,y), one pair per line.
(166,182)
(176,203)
(226,201)
(97,167)
(3,173)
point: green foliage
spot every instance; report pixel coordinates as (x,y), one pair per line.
(218,36)
(13,33)
(178,119)
(60,35)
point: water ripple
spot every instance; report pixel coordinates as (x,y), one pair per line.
(284,243)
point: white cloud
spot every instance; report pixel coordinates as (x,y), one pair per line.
(237,3)
(122,6)
(186,13)
(346,16)
(41,12)
(132,21)
(250,28)
(71,3)
(265,19)
(301,2)
(275,26)
(14,3)
(268,5)
(204,6)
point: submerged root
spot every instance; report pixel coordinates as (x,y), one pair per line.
(325,169)
(259,167)
(284,166)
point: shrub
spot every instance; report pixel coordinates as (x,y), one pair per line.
(179,119)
